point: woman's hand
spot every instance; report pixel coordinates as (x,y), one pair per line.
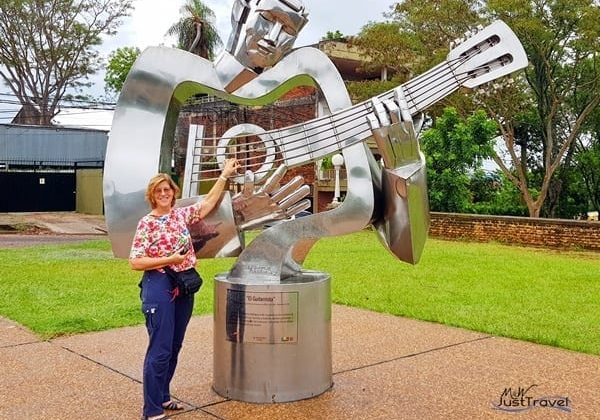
(230,168)
(178,256)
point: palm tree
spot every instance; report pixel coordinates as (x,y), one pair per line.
(195,30)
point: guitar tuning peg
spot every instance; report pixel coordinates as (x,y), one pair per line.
(457,41)
(468,34)
(452,44)
(479,28)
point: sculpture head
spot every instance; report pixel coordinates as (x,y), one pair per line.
(264,30)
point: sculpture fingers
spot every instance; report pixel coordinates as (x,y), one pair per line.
(255,223)
(288,189)
(248,188)
(393,110)
(273,181)
(402,102)
(297,208)
(418,121)
(296,196)
(378,119)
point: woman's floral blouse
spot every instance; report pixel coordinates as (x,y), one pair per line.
(160,236)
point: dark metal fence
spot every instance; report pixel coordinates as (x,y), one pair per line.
(40,185)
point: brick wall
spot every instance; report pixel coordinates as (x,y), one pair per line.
(552,233)
(296,106)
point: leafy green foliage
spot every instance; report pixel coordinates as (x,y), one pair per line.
(195,30)
(544,111)
(119,64)
(493,193)
(384,44)
(366,89)
(588,166)
(433,25)
(48,47)
(335,36)
(561,40)
(454,147)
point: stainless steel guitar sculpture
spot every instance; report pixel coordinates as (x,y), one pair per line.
(400,215)
(272,334)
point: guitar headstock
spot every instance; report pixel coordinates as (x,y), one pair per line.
(490,53)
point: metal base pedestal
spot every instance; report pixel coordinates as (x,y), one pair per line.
(272,342)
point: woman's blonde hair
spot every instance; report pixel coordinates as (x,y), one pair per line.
(154,181)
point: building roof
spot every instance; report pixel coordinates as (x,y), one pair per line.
(28,144)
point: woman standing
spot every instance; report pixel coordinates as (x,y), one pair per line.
(162,239)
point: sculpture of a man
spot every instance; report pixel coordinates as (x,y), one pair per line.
(257,67)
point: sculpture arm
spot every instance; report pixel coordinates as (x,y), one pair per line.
(402,217)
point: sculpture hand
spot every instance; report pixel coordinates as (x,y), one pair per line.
(404,215)
(394,130)
(255,207)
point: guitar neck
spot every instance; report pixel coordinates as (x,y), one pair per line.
(317,138)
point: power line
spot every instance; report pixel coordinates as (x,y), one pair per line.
(72,100)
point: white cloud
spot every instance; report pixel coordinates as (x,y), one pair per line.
(150,19)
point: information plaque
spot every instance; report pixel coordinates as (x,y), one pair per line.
(262,317)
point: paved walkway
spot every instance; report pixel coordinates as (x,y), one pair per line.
(58,223)
(385,367)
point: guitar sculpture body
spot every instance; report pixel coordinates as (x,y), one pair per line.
(393,199)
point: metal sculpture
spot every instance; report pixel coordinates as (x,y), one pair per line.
(257,67)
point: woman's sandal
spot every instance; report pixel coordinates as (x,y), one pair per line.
(172,405)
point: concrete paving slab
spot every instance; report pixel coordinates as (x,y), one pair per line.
(123,351)
(385,368)
(362,337)
(13,334)
(44,381)
(70,223)
(459,382)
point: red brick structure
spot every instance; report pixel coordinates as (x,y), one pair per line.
(296,106)
(217,116)
(550,233)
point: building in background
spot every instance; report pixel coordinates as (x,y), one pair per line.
(216,116)
(51,168)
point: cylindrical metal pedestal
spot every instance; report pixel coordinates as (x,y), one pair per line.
(272,342)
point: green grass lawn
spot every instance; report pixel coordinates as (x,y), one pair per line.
(537,295)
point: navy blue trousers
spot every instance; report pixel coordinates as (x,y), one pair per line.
(166,322)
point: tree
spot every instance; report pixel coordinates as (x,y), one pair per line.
(561,39)
(47,47)
(588,165)
(433,25)
(361,90)
(454,148)
(587,161)
(195,30)
(335,36)
(493,193)
(385,45)
(119,64)
(542,113)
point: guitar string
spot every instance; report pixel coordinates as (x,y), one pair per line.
(326,119)
(447,69)
(358,111)
(341,140)
(290,157)
(413,85)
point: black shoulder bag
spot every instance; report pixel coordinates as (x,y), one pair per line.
(186,282)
